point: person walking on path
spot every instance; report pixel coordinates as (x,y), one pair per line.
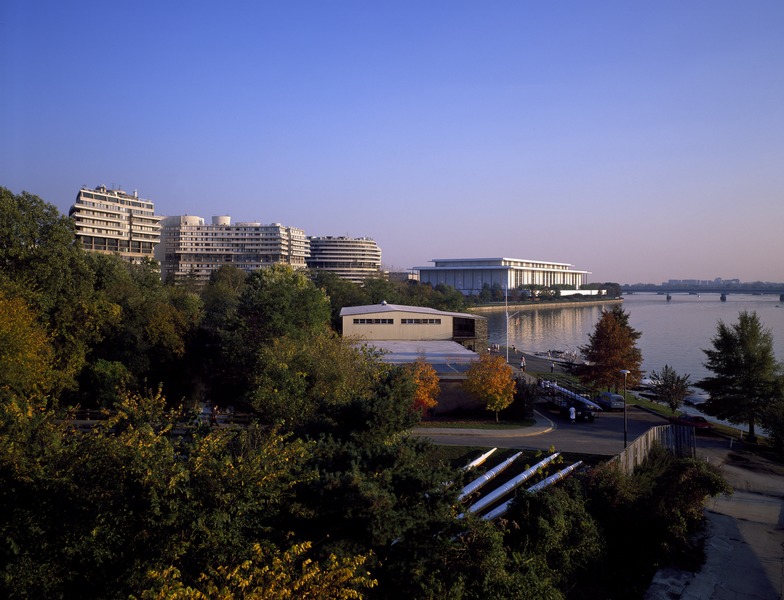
(572,414)
(522,364)
(552,367)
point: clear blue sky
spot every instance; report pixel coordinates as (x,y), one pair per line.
(638,140)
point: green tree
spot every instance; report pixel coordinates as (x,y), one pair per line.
(213,371)
(90,514)
(491,380)
(301,383)
(662,503)
(146,327)
(746,378)
(379,290)
(341,292)
(279,301)
(554,533)
(670,387)
(42,262)
(274,302)
(611,348)
(448,298)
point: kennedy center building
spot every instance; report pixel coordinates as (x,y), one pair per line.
(470,275)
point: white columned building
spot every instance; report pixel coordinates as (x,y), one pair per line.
(470,275)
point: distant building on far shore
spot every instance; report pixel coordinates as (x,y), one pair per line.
(113,222)
(191,249)
(470,275)
(355,259)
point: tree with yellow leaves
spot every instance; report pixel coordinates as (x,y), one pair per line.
(491,380)
(270,575)
(426,381)
(25,351)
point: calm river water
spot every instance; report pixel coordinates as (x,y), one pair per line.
(673,333)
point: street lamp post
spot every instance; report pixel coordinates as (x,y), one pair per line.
(508,316)
(624,372)
(506,312)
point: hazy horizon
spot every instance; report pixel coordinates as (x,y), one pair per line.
(641,142)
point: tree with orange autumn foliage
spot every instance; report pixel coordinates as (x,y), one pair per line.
(611,348)
(492,381)
(426,381)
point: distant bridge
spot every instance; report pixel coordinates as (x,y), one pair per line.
(697,290)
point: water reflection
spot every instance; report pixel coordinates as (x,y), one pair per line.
(543,329)
(673,333)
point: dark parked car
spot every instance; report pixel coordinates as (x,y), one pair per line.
(695,421)
(583,412)
(610,401)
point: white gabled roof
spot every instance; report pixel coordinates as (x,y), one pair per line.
(348,311)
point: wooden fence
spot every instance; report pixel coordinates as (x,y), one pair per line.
(678,439)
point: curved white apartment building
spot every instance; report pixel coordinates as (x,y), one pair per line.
(193,249)
(355,259)
(113,222)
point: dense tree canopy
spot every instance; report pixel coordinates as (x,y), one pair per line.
(26,355)
(41,261)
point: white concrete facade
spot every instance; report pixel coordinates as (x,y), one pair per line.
(355,259)
(113,222)
(192,249)
(470,275)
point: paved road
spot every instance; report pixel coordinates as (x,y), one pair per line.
(603,436)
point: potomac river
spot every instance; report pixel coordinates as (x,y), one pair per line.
(673,332)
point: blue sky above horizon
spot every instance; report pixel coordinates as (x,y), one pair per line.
(639,141)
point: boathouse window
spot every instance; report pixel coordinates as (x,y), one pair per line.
(374,321)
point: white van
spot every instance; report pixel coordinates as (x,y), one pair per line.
(610,401)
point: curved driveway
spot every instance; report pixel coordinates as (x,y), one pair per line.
(603,436)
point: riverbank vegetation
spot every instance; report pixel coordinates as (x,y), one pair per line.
(318,491)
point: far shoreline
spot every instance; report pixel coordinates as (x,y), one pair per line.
(536,305)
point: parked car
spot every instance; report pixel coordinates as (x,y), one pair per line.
(583,412)
(695,421)
(610,401)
